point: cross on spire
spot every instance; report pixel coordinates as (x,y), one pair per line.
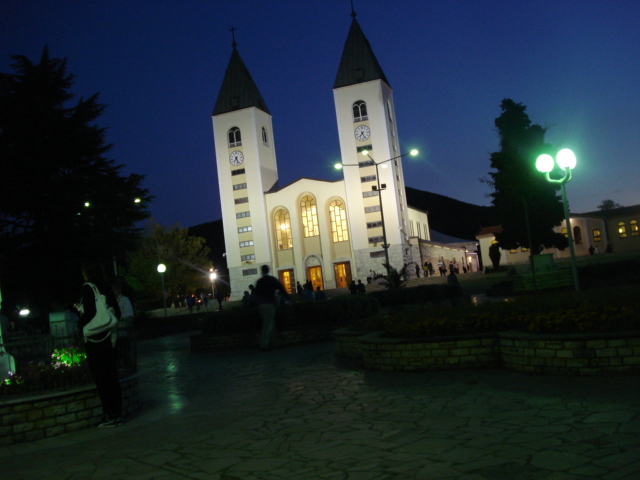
(233,36)
(353,12)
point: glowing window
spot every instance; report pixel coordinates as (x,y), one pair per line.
(633,226)
(282,226)
(565,232)
(597,235)
(235,140)
(622,230)
(338,216)
(309,213)
(360,111)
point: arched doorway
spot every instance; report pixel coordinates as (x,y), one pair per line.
(313,267)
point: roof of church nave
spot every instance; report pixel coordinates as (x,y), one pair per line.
(276,188)
(238,89)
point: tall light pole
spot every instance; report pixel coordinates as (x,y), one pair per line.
(212,276)
(161,269)
(566,160)
(378,188)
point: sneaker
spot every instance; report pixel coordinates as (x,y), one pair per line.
(110,422)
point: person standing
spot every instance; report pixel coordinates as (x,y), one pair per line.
(101,354)
(265,294)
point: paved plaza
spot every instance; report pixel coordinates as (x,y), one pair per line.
(298,413)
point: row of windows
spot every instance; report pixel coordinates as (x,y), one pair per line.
(309,214)
(375,208)
(239,171)
(240,186)
(245,258)
(235,138)
(376,239)
(238,201)
(248,243)
(370,193)
(244,229)
(243,214)
(633,227)
(368,178)
(374,224)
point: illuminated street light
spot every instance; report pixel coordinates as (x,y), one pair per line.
(161,269)
(566,160)
(212,276)
(378,188)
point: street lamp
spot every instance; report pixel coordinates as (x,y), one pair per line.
(212,277)
(566,160)
(378,188)
(161,269)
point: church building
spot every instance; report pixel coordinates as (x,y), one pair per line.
(328,232)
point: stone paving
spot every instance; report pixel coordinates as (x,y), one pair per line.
(298,413)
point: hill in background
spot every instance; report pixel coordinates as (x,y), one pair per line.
(451,217)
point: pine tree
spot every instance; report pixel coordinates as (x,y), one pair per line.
(62,199)
(528,207)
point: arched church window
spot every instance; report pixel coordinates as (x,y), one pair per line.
(265,139)
(282,226)
(622,230)
(309,212)
(577,235)
(338,216)
(360,111)
(235,140)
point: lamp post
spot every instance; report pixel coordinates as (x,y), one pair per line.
(378,188)
(212,276)
(161,269)
(566,160)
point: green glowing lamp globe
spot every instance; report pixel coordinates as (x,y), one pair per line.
(544,163)
(566,159)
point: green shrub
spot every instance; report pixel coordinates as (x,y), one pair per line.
(607,310)
(337,311)
(419,294)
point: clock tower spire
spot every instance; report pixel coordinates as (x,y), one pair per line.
(247,168)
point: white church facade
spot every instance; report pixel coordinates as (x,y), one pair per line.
(327,232)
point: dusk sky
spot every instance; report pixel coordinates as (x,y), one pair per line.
(159,65)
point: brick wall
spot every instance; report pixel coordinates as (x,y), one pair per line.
(36,417)
(583,354)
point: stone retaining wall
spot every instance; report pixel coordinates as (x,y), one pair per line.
(581,354)
(297,336)
(584,354)
(379,353)
(42,416)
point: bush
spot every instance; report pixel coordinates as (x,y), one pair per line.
(67,368)
(419,294)
(337,311)
(608,310)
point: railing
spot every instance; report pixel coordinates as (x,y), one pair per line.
(32,351)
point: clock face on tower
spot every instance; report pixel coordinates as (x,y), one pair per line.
(362,133)
(236,157)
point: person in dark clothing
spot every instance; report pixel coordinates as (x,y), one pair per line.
(360,288)
(417,271)
(219,298)
(299,289)
(265,295)
(353,288)
(101,354)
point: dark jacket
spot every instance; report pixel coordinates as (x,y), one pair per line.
(265,291)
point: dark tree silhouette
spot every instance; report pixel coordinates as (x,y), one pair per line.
(62,199)
(526,204)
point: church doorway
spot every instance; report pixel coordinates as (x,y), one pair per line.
(315,275)
(287,280)
(343,274)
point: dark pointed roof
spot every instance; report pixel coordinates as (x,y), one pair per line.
(238,89)
(358,63)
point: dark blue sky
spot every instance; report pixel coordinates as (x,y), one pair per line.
(158,65)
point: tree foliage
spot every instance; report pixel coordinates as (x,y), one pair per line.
(62,199)
(186,258)
(520,192)
(608,204)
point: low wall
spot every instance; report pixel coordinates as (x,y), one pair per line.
(297,336)
(580,354)
(379,353)
(42,416)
